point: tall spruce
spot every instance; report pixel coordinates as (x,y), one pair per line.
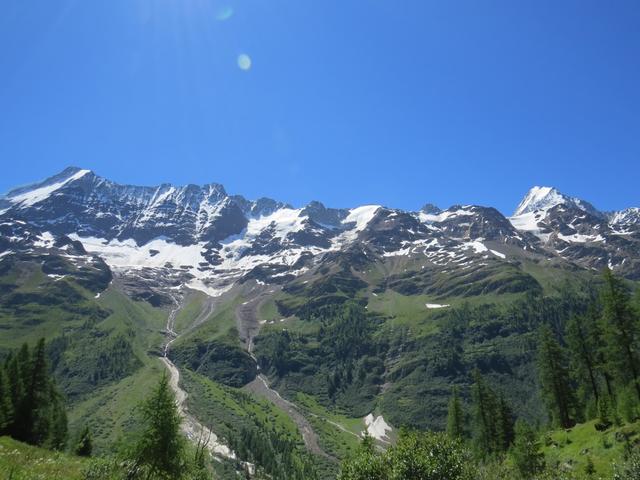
(526,452)
(492,419)
(160,448)
(38,416)
(555,381)
(455,416)
(6,409)
(621,332)
(505,423)
(582,337)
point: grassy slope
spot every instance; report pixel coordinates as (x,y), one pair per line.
(570,449)
(111,410)
(19,461)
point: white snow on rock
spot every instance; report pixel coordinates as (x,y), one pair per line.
(361,216)
(579,238)
(437,305)
(527,221)
(539,198)
(476,245)
(377,428)
(128,254)
(498,254)
(31,197)
(442,216)
(44,240)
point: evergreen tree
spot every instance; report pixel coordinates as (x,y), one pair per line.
(84,446)
(505,424)
(59,428)
(526,452)
(455,416)
(16,368)
(554,379)
(160,448)
(33,409)
(582,340)
(6,409)
(621,331)
(492,419)
(38,402)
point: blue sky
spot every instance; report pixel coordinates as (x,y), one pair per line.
(398,102)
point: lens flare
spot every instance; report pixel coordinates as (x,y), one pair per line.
(225,13)
(244,61)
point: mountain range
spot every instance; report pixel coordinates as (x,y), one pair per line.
(211,240)
(334,321)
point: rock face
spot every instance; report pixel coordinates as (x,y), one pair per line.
(204,238)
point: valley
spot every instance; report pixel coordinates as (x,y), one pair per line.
(287,333)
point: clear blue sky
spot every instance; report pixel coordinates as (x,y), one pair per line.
(398,102)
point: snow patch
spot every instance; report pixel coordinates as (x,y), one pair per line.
(377,428)
(437,305)
(44,241)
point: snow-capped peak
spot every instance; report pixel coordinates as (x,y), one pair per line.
(545,198)
(540,198)
(32,194)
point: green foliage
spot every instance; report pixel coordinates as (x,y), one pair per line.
(621,332)
(84,445)
(256,430)
(339,363)
(583,337)
(227,364)
(159,449)
(526,451)
(417,456)
(19,461)
(32,408)
(455,416)
(365,464)
(629,470)
(554,377)
(492,419)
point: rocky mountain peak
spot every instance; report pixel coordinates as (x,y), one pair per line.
(545,198)
(431,209)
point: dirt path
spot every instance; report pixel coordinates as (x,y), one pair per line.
(248,325)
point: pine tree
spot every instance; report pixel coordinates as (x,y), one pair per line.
(455,416)
(554,379)
(582,340)
(16,368)
(160,449)
(6,410)
(504,424)
(621,331)
(36,411)
(58,430)
(492,419)
(84,446)
(526,452)
(38,401)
